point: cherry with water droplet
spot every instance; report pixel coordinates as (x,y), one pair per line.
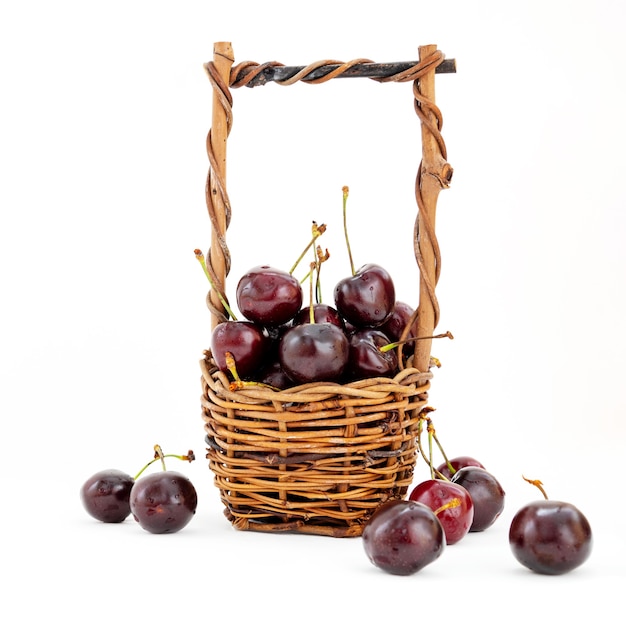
(268,296)
(437,494)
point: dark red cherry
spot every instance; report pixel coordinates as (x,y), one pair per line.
(550,537)
(367,298)
(403,536)
(457,463)
(314,352)
(456,520)
(366,359)
(321,313)
(244,340)
(163,502)
(273,374)
(397,322)
(268,296)
(486,492)
(106,495)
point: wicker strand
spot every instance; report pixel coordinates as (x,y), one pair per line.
(251,74)
(434,173)
(219,208)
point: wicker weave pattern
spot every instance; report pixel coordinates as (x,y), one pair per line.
(318,458)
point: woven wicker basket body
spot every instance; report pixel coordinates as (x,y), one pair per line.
(318,458)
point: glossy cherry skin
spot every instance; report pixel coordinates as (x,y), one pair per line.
(486,492)
(274,375)
(396,323)
(366,359)
(321,313)
(456,520)
(106,495)
(457,463)
(402,537)
(163,502)
(367,298)
(245,340)
(268,296)
(550,537)
(314,352)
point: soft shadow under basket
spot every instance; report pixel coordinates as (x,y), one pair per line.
(319,458)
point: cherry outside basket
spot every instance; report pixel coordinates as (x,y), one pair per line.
(319,458)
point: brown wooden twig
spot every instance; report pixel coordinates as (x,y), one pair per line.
(434,174)
(250,74)
(218,204)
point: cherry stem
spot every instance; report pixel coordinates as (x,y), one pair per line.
(316,231)
(320,257)
(311,309)
(346,191)
(396,344)
(430,430)
(451,504)
(538,484)
(159,456)
(449,465)
(421,419)
(202,262)
(445,458)
(232,367)
(432,436)
(237,383)
(315,266)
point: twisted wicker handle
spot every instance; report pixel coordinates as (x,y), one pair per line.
(434,172)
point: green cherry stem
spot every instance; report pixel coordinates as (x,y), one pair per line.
(320,258)
(446,461)
(316,231)
(202,262)
(314,265)
(396,344)
(423,417)
(346,191)
(430,430)
(432,437)
(159,456)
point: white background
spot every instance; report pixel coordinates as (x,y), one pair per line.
(105,110)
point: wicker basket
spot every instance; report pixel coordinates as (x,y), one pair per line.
(319,458)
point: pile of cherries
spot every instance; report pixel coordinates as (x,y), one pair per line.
(161,502)
(286,339)
(282,343)
(404,536)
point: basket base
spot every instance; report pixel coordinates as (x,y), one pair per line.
(296,527)
(300,527)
